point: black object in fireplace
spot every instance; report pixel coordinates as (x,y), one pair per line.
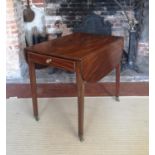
(129,59)
(94,24)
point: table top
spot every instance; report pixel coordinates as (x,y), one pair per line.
(76,46)
(96,55)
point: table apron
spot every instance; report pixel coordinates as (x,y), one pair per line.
(52,61)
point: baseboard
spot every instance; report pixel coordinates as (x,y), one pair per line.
(69,89)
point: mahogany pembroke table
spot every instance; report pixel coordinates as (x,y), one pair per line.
(90,56)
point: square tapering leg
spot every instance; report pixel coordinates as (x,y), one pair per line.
(32,75)
(80,89)
(117,82)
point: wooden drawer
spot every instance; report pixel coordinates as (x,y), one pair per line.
(52,61)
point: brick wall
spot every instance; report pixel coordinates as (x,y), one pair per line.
(74,10)
(15,63)
(16,66)
(38,3)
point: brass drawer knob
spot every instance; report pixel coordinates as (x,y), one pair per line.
(48,61)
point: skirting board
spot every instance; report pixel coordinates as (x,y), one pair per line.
(69,89)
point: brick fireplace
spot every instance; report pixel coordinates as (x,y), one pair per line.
(64,16)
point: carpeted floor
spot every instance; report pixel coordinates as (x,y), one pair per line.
(111,128)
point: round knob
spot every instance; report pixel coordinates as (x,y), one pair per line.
(48,61)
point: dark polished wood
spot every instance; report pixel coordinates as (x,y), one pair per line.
(98,54)
(32,75)
(52,61)
(45,90)
(117,81)
(91,56)
(80,92)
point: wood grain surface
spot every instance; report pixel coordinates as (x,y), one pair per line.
(98,54)
(69,89)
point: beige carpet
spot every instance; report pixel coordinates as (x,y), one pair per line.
(111,128)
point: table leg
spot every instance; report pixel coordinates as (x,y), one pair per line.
(80,89)
(33,89)
(117,81)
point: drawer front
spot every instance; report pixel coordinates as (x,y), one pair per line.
(52,61)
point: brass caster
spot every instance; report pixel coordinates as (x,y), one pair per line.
(36,118)
(117,99)
(81,138)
